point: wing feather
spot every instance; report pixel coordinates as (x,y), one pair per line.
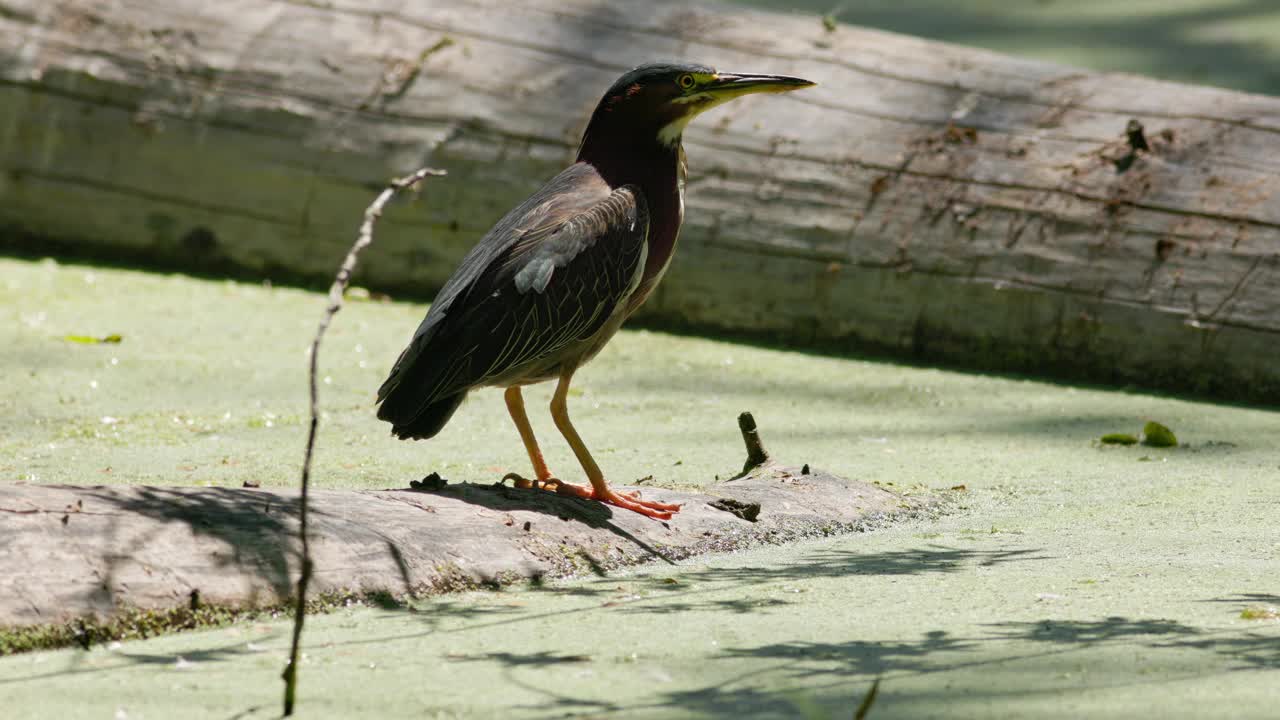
(539,283)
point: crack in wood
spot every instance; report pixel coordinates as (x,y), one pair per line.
(113,188)
(1235,290)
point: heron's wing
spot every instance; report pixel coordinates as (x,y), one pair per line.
(538,283)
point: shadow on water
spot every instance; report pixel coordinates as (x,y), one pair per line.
(537,659)
(1252,651)
(830,676)
(1084,633)
(833,674)
(695,590)
(848,563)
(781,676)
(1246,599)
(860,657)
(124,660)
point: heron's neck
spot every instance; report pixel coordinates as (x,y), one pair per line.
(653,165)
(657,168)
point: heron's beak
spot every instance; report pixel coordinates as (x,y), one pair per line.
(721,89)
(727,86)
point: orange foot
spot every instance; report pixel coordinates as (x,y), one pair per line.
(626,501)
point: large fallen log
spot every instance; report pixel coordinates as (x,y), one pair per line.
(926,199)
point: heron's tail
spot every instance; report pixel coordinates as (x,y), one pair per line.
(412,421)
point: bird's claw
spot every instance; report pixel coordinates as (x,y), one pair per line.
(627,501)
(525,483)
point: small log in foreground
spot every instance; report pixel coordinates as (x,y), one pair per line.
(79,551)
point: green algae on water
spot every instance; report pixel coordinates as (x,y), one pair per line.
(1118,439)
(1156,435)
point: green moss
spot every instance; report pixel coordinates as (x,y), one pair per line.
(139,623)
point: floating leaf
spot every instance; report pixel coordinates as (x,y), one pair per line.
(91,340)
(359,294)
(1157,435)
(1118,439)
(1260,612)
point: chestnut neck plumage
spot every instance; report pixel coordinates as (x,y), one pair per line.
(624,157)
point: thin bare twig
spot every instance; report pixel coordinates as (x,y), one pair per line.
(340,283)
(867,701)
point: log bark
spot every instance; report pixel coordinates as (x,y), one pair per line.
(928,200)
(80,551)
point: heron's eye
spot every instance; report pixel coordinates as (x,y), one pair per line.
(686,82)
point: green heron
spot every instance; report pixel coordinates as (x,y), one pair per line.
(545,289)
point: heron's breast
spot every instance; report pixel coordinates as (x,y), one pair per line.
(666,215)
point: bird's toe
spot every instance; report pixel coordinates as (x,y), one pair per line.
(524,483)
(632,502)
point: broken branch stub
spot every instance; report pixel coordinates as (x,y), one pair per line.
(756,454)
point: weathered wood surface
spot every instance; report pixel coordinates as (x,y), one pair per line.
(75,551)
(927,199)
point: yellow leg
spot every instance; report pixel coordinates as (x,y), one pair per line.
(599,488)
(515,406)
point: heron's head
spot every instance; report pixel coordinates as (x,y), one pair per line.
(657,101)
